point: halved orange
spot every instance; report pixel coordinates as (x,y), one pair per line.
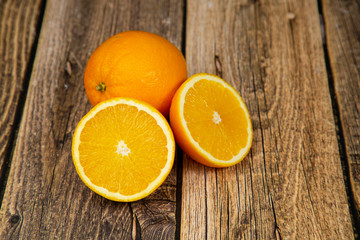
(210,121)
(123,149)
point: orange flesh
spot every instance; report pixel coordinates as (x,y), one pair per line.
(220,129)
(124,172)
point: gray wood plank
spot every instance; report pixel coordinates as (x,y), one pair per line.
(19,21)
(342,25)
(290,186)
(45,198)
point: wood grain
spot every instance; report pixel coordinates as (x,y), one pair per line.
(45,198)
(290,186)
(18,30)
(342,22)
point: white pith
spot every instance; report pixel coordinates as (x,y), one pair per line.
(122,148)
(216,117)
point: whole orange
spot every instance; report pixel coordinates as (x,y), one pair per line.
(135,64)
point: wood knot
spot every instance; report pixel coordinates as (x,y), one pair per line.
(72,65)
(14,219)
(68,69)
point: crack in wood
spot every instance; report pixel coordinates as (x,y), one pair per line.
(277,231)
(218,66)
(252,198)
(354,212)
(206,207)
(179,175)
(136,228)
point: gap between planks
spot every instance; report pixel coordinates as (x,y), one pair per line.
(338,127)
(180,153)
(20,106)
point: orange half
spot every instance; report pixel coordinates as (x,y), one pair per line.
(123,149)
(210,121)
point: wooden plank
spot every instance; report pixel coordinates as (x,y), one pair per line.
(290,185)
(45,198)
(342,22)
(18,30)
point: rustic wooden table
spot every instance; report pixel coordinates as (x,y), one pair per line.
(296,63)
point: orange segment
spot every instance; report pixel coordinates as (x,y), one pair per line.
(123,149)
(210,121)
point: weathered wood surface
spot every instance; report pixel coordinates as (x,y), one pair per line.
(44,197)
(290,186)
(18,23)
(342,22)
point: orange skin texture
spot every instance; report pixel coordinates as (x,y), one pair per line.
(136,64)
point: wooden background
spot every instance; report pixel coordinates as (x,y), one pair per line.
(295,63)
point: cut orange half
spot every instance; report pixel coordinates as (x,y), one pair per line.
(210,121)
(123,149)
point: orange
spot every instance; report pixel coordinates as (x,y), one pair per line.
(123,149)
(210,121)
(135,64)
